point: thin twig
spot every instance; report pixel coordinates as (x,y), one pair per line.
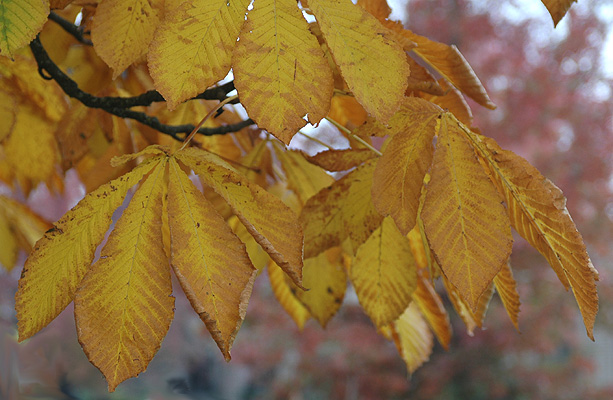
(316,140)
(75,31)
(357,138)
(206,117)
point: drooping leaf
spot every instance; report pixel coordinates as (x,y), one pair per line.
(325,279)
(506,287)
(124,305)
(210,261)
(400,171)
(342,210)
(422,80)
(358,42)
(412,337)
(465,222)
(285,294)
(384,274)
(8,109)
(280,70)
(472,319)
(61,258)
(279,233)
(557,9)
(341,160)
(303,178)
(122,30)
(537,210)
(451,100)
(451,64)
(192,46)
(432,308)
(20,21)
(378,8)
(8,244)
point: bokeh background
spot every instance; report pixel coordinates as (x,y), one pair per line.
(554,91)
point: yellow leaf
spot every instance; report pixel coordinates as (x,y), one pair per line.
(285,294)
(432,308)
(384,274)
(347,111)
(342,210)
(124,305)
(400,171)
(60,4)
(210,261)
(557,8)
(421,79)
(359,43)
(26,225)
(465,222)
(378,8)
(279,232)
(506,287)
(325,279)
(192,47)
(259,258)
(31,149)
(8,244)
(537,210)
(451,100)
(472,319)
(451,64)
(21,21)
(280,70)
(61,258)
(341,160)
(413,338)
(8,111)
(304,178)
(122,30)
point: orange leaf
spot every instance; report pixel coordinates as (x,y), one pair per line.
(506,287)
(557,8)
(286,295)
(432,308)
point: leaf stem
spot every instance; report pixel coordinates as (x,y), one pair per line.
(316,140)
(206,117)
(355,137)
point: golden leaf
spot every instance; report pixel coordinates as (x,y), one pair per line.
(122,30)
(358,42)
(413,338)
(208,258)
(378,8)
(465,222)
(285,294)
(341,160)
(8,110)
(279,233)
(124,305)
(59,4)
(347,111)
(383,274)
(557,9)
(280,70)
(452,101)
(432,308)
(8,243)
(192,47)
(325,279)
(472,319)
(451,64)
(342,210)
(421,79)
(61,258)
(506,287)
(537,210)
(21,21)
(400,171)
(304,178)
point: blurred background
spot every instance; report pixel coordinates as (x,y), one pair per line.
(554,91)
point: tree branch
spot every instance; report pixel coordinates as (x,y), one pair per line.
(119,106)
(69,27)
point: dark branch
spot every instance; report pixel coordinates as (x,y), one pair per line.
(69,27)
(119,106)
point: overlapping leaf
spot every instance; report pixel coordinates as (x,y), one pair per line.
(537,210)
(280,70)
(465,222)
(20,21)
(359,43)
(342,160)
(412,337)
(285,293)
(384,274)
(506,287)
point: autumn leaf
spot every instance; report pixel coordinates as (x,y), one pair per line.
(192,46)
(341,160)
(384,274)
(358,43)
(21,21)
(285,293)
(537,210)
(61,258)
(325,280)
(465,222)
(473,317)
(278,65)
(122,30)
(557,9)
(506,287)
(400,171)
(342,210)
(124,305)
(432,308)
(208,258)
